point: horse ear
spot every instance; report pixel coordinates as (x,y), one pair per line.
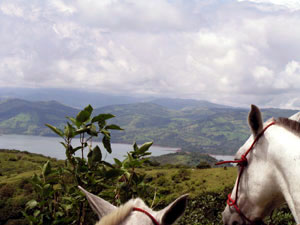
(295,117)
(99,205)
(255,120)
(173,211)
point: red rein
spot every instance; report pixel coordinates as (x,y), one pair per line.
(243,162)
(148,214)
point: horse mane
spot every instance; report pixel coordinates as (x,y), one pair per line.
(118,215)
(292,125)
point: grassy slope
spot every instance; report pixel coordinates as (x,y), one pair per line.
(206,188)
(16,169)
(16,165)
(195,182)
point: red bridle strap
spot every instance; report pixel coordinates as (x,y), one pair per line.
(148,214)
(242,162)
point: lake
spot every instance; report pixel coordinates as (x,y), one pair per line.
(50,146)
(224,157)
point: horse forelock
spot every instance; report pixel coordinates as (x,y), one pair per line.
(291,125)
(117,216)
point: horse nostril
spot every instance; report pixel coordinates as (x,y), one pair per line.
(235,223)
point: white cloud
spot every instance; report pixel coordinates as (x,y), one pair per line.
(292,5)
(293,69)
(11,9)
(229,52)
(63,7)
(122,15)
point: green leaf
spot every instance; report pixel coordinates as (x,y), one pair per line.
(113,127)
(113,173)
(97,155)
(36,179)
(69,131)
(83,116)
(94,156)
(55,130)
(145,147)
(107,164)
(102,117)
(36,213)
(129,157)
(135,147)
(92,130)
(105,132)
(147,153)
(89,109)
(60,214)
(31,204)
(74,121)
(135,163)
(118,162)
(90,158)
(135,178)
(73,150)
(67,206)
(81,130)
(46,168)
(106,144)
(64,144)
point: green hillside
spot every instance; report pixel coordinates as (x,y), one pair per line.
(193,127)
(205,130)
(184,158)
(24,117)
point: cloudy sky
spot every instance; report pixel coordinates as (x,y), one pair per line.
(232,52)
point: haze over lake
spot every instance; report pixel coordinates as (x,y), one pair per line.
(50,146)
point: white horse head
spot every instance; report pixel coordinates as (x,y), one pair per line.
(271,171)
(135,211)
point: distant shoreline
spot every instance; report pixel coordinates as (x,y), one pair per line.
(168,149)
(222,157)
(50,146)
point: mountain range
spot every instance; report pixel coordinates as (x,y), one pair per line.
(67,96)
(194,126)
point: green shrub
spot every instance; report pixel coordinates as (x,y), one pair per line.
(160,174)
(59,200)
(182,175)
(162,182)
(13,159)
(203,165)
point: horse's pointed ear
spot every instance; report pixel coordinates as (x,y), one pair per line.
(295,117)
(99,205)
(173,211)
(255,120)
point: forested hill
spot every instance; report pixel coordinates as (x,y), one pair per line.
(206,128)
(25,117)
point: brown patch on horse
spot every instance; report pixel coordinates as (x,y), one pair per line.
(292,125)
